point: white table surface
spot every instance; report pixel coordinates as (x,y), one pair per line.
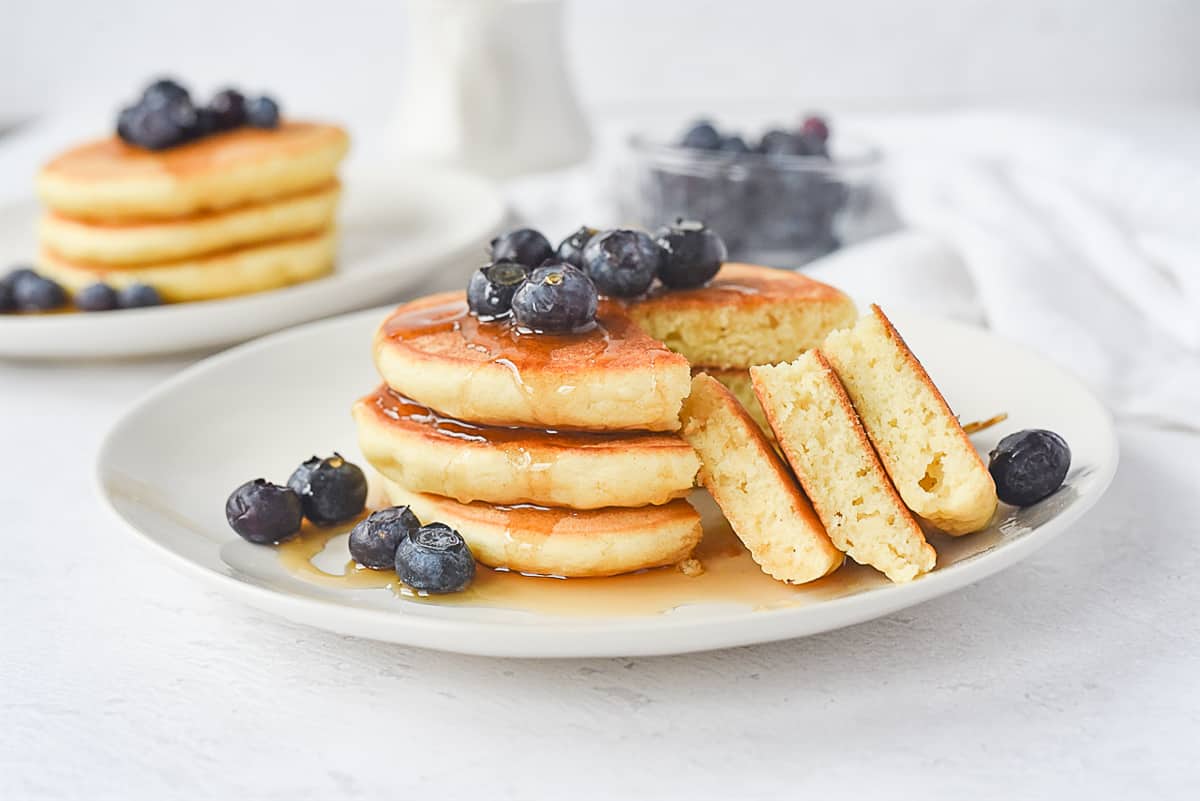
(1074,674)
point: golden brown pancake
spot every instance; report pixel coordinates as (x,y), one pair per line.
(109,180)
(425,452)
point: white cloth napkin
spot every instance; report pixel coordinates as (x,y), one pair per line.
(1078,243)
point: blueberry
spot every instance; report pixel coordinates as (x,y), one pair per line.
(158,127)
(435,559)
(127,121)
(556,298)
(701,136)
(35,293)
(262,112)
(734,144)
(263,512)
(229,108)
(373,541)
(332,490)
(623,263)
(136,296)
(206,123)
(163,92)
(7,301)
(96,297)
(524,246)
(18,274)
(783,143)
(694,254)
(570,250)
(1029,465)
(490,292)
(815,129)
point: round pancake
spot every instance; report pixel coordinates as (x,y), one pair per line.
(425,452)
(563,542)
(234,272)
(747,315)
(153,241)
(612,377)
(109,180)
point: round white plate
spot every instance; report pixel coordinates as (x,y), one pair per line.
(397,227)
(259,409)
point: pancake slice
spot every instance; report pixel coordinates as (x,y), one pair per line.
(737,381)
(823,440)
(235,272)
(152,242)
(747,315)
(753,487)
(425,452)
(563,542)
(932,463)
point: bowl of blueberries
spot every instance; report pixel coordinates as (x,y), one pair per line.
(783,199)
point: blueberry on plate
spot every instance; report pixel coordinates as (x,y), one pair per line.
(229,109)
(1029,466)
(733,144)
(262,112)
(557,298)
(623,263)
(262,512)
(570,250)
(435,559)
(35,293)
(694,254)
(524,246)
(136,296)
(373,542)
(783,143)
(7,301)
(96,297)
(701,136)
(332,490)
(490,292)
(158,127)
(18,274)
(162,92)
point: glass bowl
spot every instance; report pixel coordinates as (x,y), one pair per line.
(779,210)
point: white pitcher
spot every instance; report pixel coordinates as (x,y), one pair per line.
(487,89)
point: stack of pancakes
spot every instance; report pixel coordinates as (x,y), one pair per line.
(558,454)
(230,214)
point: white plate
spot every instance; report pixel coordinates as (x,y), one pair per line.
(259,409)
(397,227)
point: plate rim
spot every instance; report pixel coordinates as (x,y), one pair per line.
(508,639)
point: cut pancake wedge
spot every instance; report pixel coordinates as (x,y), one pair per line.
(823,440)
(932,463)
(755,490)
(563,542)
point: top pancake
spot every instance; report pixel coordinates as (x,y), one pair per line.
(612,377)
(109,180)
(747,315)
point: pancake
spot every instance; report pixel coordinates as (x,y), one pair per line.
(612,377)
(932,463)
(424,452)
(753,487)
(235,272)
(737,381)
(748,315)
(109,180)
(149,242)
(823,440)
(562,542)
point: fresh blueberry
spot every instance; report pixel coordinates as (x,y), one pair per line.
(373,541)
(262,112)
(206,123)
(35,293)
(783,143)
(734,144)
(435,559)
(158,127)
(127,122)
(570,250)
(7,301)
(815,128)
(701,136)
(556,298)
(18,273)
(524,246)
(490,292)
(96,297)
(263,512)
(229,106)
(1029,465)
(623,263)
(163,92)
(136,296)
(694,254)
(332,489)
